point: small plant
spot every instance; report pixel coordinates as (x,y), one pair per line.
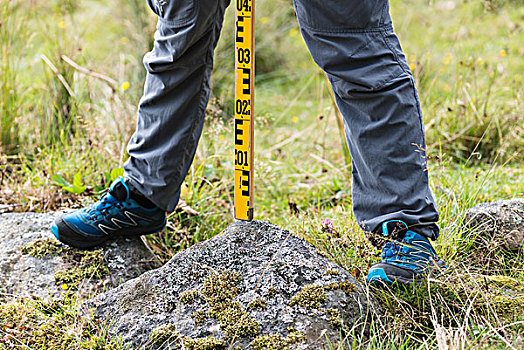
(77,187)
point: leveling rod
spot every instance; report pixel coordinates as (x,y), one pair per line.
(244,108)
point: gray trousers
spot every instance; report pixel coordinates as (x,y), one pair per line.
(354,43)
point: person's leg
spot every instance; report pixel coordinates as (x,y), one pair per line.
(170,120)
(171,111)
(354,43)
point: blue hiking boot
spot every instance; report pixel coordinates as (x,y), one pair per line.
(117,213)
(406,257)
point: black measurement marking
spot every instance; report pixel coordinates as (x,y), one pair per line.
(239,132)
(240,29)
(246,81)
(245,183)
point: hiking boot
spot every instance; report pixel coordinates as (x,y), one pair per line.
(406,257)
(117,213)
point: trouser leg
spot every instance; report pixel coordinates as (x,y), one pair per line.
(176,92)
(354,43)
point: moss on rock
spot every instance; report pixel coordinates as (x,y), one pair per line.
(271,292)
(257,304)
(332,273)
(37,323)
(42,247)
(277,342)
(313,295)
(335,318)
(269,342)
(295,337)
(207,343)
(199,317)
(221,287)
(164,333)
(346,287)
(310,296)
(89,264)
(84,263)
(189,296)
(219,291)
(9,313)
(233,320)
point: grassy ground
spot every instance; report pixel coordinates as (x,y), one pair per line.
(70,80)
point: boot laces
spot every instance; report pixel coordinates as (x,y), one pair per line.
(415,253)
(100,209)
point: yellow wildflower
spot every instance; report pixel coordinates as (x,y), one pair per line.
(125,85)
(124,40)
(184,190)
(293,32)
(64,286)
(448,58)
(264,20)
(412,67)
(503,53)
(62,24)
(294,120)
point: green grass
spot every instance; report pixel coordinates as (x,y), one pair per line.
(468,61)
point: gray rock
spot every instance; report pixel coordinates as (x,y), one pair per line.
(25,275)
(497,224)
(293,285)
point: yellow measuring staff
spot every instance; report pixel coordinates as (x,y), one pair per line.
(244,108)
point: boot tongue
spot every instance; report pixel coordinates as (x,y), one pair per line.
(119,190)
(394,229)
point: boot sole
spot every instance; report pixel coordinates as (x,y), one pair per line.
(67,235)
(392,274)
